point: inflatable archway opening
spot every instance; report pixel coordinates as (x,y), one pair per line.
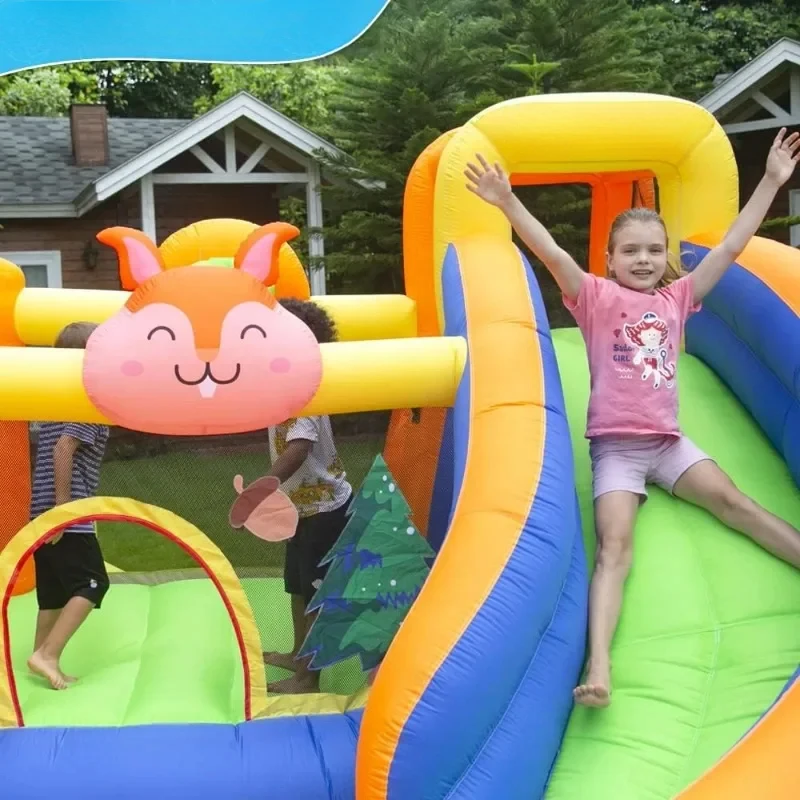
(216,241)
(634,138)
(611,194)
(189,538)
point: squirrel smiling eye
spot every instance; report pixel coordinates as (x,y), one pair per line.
(164,328)
(254,328)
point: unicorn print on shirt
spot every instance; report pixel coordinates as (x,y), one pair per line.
(649,336)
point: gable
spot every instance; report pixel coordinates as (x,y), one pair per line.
(36,162)
(762,94)
(38,176)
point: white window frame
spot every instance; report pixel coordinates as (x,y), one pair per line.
(50,259)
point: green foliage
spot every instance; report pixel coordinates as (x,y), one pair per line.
(301,91)
(700,39)
(434,72)
(534,70)
(734,35)
(38,93)
(375,572)
(146,89)
(597,44)
(127,88)
(775,227)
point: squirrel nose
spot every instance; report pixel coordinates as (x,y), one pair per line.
(207,354)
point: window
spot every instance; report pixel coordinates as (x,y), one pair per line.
(42,268)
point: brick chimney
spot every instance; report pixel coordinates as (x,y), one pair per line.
(89,125)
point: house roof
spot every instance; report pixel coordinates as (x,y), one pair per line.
(731,91)
(38,176)
(36,161)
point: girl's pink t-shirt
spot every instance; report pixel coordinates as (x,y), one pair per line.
(632,341)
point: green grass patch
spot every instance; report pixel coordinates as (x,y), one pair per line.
(198,486)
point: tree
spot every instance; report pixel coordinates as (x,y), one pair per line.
(127,88)
(429,74)
(36,93)
(301,91)
(703,39)
(152,89)
(597,44)
(377,568)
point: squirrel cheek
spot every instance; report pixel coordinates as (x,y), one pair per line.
(132,369)
(280,365)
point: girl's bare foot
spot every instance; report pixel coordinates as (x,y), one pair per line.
(48,668)
(281,660)
(67,678)
(304,684)
(595,691)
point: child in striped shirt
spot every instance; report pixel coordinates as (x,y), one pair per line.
(71,577)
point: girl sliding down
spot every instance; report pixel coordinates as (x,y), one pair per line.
(632,323)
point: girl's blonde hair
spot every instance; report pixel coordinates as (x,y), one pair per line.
(641,214)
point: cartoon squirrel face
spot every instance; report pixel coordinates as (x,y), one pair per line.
(201,349)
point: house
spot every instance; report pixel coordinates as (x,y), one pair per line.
(63,179)
(752,104)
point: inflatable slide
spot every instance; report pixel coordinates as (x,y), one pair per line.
(709,635)
(474,698)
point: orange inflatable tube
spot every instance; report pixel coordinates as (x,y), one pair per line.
(15,465)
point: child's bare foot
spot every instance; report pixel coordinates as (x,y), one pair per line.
(595,691)
(297,684)
(48,668)
(282,660)
(67,678)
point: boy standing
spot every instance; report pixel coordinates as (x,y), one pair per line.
(71,577)
(305,460)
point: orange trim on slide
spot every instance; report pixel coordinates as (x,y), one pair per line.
(15,463)
(506,408)
(763,764)
(411,450)
(777,265)
(418,224)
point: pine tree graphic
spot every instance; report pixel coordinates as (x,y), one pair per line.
(376,570)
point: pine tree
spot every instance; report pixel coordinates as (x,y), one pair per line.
(429,69)
(376,570)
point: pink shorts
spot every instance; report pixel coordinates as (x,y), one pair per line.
(629,463)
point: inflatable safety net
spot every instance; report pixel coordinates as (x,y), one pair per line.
(194,478)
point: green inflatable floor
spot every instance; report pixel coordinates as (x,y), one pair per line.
(163,653)
(710,628)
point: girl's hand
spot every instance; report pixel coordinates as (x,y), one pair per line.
(489,183)
(783,157)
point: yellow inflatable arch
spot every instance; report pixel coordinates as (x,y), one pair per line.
(120,509)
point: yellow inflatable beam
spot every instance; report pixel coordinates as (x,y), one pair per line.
(45,384)
(40,314)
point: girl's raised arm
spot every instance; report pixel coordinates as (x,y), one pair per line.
(492,185)
(783,156)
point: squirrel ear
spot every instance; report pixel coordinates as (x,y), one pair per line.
(139,258)
(258,254)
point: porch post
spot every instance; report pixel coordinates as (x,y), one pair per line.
(316,244)
(148,206)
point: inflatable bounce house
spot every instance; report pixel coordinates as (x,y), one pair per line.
(474,698)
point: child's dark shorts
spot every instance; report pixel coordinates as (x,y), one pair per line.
(72,567)
(315,536)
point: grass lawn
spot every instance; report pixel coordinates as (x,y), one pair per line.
(199,488)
